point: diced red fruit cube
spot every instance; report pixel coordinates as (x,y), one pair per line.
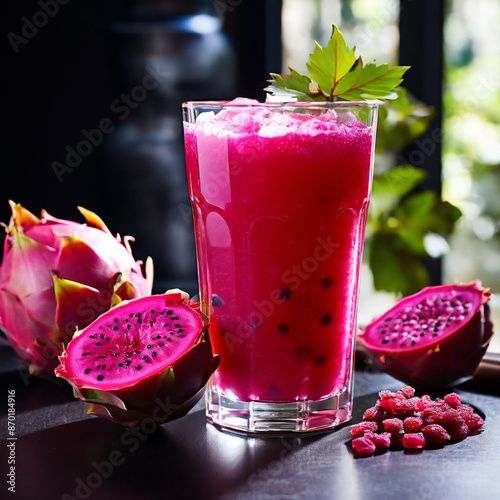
(452,399)
(435,433)
(363,447)
(393,425)
(386,394)
(382,440)
(414,440)
(374,413)
(457,429)
(451,421)
(413,404)
(425,401)
(475,423)
(465,411)
(407,391)
(431,413)
(360,429)
(412,424)
(396,404)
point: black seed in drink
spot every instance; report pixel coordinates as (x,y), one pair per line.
(149,346)
(102,336)
(165,325)
(128,362)
(320,361)
(153,354)
(217,301)
(120,364)
(285,294)
(175,318)
(129,327)
(85,353)
(177,325)
(327,282)
(150,323)
(87,371)
(92,336)
(283,328)
(127,355)
(100,377)
(139,314)
(169,313)
(180,330)
(131,315)
(115,328)
(168,340)
(103,367)
(326,319)
(139,321)
(98,343)
(158,336)
(385,341)
(152,311)
(161,344)
(102,356)
(138,367)
(98,367)
(116,320)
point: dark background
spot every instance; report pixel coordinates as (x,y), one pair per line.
(85,58)
(68,67)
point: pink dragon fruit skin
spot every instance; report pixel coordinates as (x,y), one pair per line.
(57,276)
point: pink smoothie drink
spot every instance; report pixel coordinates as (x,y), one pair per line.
(280,197)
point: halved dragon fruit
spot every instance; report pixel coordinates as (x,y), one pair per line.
(434,338)
(145,358)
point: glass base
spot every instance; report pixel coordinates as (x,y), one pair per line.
(260,416)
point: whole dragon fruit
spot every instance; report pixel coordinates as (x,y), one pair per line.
(145,359)
(57,276)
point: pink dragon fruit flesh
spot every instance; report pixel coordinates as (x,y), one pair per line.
(57,276)
(433,339)
(145,358)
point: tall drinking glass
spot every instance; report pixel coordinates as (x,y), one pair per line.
(280,194)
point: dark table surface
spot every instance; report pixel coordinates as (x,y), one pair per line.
(60,452)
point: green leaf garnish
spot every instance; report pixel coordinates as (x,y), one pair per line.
(335,73)
(294,85)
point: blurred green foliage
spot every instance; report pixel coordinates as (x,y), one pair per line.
(405,227)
